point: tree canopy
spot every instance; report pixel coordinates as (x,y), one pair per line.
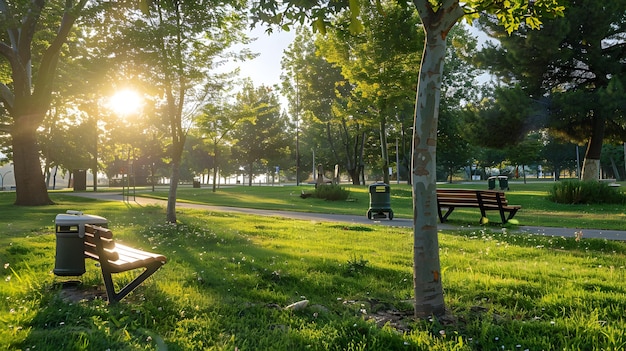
(575,66)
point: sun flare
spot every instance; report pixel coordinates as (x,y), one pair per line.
(125,102)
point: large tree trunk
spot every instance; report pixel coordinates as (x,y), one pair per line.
(383,149)
(171,197)
(28,103)
(352,156)
(215,168)
(427,284)
(29,180)
(352,153)
(591,163)
(426,266)
(362,158)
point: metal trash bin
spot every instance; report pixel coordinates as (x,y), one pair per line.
(70,231)
(491,182)
(80,180)
(503,182)
(380,201)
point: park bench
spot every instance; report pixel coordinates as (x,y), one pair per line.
(485,200)
(117,258)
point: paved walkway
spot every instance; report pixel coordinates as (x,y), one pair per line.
(398,222)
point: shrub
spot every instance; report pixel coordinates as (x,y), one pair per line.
(332,192)
(585,192)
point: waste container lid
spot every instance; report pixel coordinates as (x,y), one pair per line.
(77,217)
(379,187)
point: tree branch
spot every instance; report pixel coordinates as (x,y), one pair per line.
(7,97)
(28,29)
(11,30)
(442,20)
(6,51)
(50,57)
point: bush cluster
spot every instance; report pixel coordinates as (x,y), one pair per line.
(332,192)
(586,192)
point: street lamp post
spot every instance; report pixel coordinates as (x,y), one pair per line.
(2,179)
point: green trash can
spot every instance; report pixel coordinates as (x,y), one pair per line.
(504,182)
(491,182)
(70,231)
(380,201)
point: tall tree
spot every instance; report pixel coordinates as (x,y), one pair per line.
(318,90)
(27,92)
(261,137)
(438,17)
(216,127)
(377,62)
(294,84)
(577,61)
(526,153)
(179,44)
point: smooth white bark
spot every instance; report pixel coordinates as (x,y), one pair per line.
(427,283)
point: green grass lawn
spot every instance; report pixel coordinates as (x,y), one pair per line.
(229,278)
(536,210)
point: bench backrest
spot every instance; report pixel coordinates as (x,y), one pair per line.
(492,197)
(96,235)
(469,196)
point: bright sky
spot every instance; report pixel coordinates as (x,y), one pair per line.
(265,69)
(125,102)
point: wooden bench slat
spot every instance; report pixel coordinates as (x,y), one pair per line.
(104,233)
(129,258)
(106,242)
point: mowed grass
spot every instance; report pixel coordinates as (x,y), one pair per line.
(230,277)
(536,210)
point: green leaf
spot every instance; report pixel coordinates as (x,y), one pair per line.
(319,26)
(355,8)
(355,26)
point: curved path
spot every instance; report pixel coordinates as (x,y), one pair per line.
(398,222)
